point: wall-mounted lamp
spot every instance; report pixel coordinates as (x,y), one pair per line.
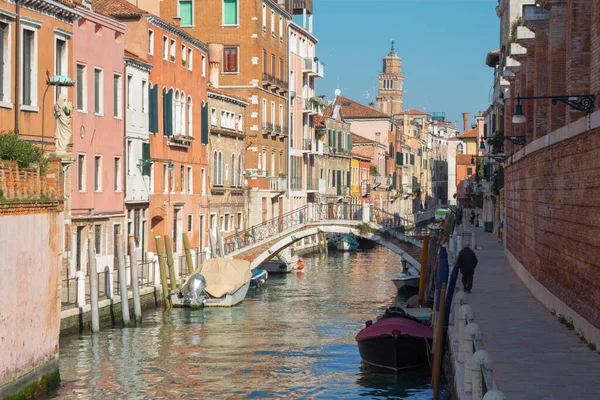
(581,102)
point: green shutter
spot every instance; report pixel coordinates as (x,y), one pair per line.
(329,140)
(27,47)
(146,159)
(399,158)
(349,142)
(338,180)
(153,108)
(348,178)
(185,13)
(339,140)
(204,124)
(412,159)
(230,12)
(394,180)
(169,113)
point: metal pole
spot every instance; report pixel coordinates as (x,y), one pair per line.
(17,100)
(438,345)
(169,250)
(188,254)
(423,271)
(93,286)
(135,285)
(123,280)
(162,269)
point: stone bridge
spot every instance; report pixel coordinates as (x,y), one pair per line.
(261,243)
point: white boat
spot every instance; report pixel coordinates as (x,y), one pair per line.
(406,280)
(218,282)
(282,263)
(346,243)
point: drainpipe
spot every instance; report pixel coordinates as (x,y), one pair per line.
(17,64)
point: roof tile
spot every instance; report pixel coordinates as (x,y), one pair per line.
(352,109)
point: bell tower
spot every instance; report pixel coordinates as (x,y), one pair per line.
(391,80)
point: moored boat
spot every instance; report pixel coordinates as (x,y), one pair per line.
(283,262)
(259,277)
(396,341)
(347,243)
(406,280)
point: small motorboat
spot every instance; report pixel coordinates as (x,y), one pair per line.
(406,280)
(282,263)
(397,341)
(259,277)
(347,243)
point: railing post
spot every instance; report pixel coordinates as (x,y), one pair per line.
(310,212)
(472,336)
(494,394)
(460,299)
(464,312)
(480,362)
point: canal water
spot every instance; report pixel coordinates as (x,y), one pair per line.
(292,338)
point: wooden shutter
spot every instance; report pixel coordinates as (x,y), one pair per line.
(168,106)
(348,176)
(204,124)
(349,142)
(146,159)
(153,108)
(339,140)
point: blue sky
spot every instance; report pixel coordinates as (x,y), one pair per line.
(442,43)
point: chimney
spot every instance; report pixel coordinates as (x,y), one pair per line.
(466,121)
(215,53)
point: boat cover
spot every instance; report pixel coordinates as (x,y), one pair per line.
(386,326)
(224,275)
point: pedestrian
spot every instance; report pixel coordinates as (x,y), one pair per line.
(472,217)
(467,261)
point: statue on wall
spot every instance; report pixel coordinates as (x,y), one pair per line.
(63,112)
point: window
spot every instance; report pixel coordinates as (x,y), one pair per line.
(281,71)
(189,58)
(230,12)
(265,70)
(81,87)
(5,71)
(183,55)
(280,28)
(227,120)
(98,95)
(232,171)
(218,168)
(98,238)
(165,48)
(117,95)
(97,173)
(81,172)
(60,58)
(264,113)
(273,65)
(273,23)
(173,50)
(240,124)
(29,68)
(469,171)
(182,178)
(281,115)
(239,221)
(151,183)
(165,178)
(186,13)
(230,59)
(144,97)
(117,174)
(171,180)
(190,180)
(264,17)
(203,181)
(213,117)
(272,163)
(203,66)
(189,112)
(189,222)
(273,112)
(150,41)
(222,223)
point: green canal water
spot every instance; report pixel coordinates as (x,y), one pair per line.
(292,338)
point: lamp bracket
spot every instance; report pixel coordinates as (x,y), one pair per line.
(580,102)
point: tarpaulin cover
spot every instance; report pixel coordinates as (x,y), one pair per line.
(224,275)
(386,326)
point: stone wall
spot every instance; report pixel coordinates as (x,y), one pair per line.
(553,220)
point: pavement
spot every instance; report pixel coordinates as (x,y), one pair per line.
(534,355)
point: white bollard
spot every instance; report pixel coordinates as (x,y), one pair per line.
(460,299)
(464,312)
(459,244)
(473,240)
(481,360)
(494,395)
(108,275)
(80,288)
(452,244)
(472,334)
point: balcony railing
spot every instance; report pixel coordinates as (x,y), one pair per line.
(342,190)
(278,184)
(308,144)
(276,130)
(267,127)
(181,141)
(313,67)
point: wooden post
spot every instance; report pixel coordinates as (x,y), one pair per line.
(423,271)
(170,263)
(162,269)
(438,345)
(93,286)
(135,284)
(188,253)
(123,280)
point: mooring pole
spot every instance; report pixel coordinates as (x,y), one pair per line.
(188,253)
(169,250)
(123,280)
(423,271)
(438,345)
(93,286)
(135,285)
(162,269)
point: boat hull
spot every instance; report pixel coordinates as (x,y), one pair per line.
(395,353)
(230,299)
(408,281)
(259,277)
(278,267)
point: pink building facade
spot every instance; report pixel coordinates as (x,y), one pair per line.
(98,140)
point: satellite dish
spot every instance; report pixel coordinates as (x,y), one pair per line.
(337,92)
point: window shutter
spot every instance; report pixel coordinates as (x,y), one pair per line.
(27,39)
(412,159)
(394,180)
(399,158)
(348,179)
(153,109)
(230,12)
(169,113)
(339,140)
(146,159)
(349,142)
(185,13)
(204,124)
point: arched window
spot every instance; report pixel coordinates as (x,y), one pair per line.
(240,180)
(189,120)
(233,170)
(221,168)
(459,148)
(227,172)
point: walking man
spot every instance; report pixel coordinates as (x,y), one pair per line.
(467,261)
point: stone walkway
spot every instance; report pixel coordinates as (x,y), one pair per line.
(534,355)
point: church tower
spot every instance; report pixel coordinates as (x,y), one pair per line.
(389,95)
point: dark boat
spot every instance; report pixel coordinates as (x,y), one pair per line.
(365,244)
(396,341)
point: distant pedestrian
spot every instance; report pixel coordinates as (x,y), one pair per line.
(467,261)
(472,217)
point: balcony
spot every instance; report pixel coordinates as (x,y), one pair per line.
(180,141)
(313,67)
(312,184)
(278,184)
(276,130)
(308,145)
(267,128)
(309,106)
(297,7)
(271,82)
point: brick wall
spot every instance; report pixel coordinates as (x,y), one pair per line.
(553,220)
(27,184)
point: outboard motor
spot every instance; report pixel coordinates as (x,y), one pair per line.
(193,290)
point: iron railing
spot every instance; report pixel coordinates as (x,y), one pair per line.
(387,219)
(339,211)
(487,380)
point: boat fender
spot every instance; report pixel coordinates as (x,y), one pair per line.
(369,323)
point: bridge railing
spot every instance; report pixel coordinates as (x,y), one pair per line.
(336,211)
(387,219)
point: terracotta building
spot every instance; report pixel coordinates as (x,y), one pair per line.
(98,125)
(178,122)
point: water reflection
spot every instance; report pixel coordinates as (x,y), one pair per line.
(293,338)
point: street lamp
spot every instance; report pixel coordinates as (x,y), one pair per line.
(580,102)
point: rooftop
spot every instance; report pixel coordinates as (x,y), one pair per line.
(352,109)
(468,134)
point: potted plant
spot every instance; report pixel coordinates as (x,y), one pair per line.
(172,58)
(183,62)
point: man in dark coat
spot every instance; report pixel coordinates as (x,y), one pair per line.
(467,261)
